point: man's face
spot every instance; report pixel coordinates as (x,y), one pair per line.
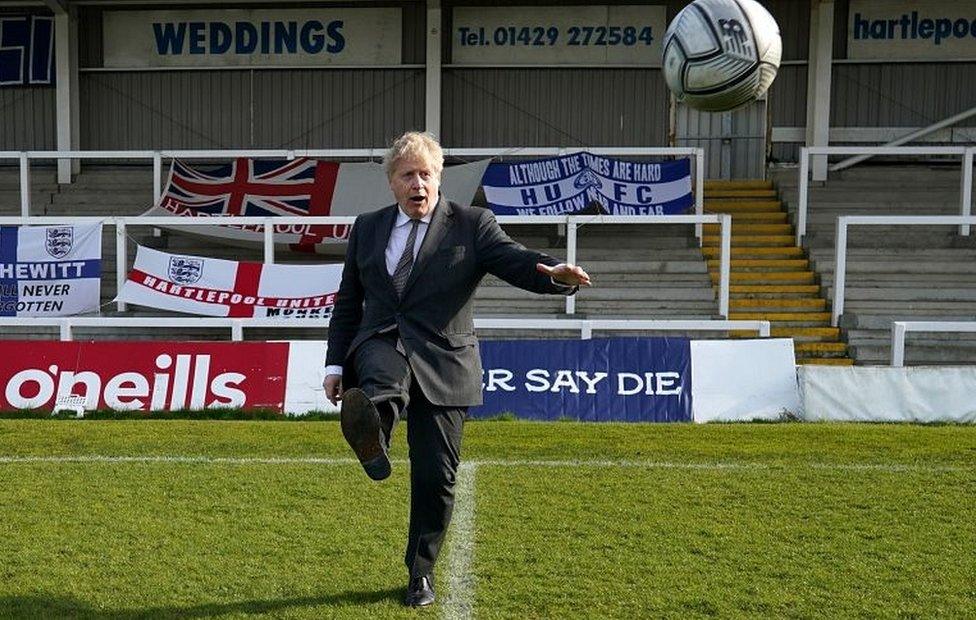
(415,185)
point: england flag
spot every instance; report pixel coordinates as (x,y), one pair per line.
(50,270)
(227,288)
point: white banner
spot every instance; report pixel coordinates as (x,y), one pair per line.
(887,394)
(50,270)
(252,37)
(595,34)
(912,29)
(743,380)
(217,287)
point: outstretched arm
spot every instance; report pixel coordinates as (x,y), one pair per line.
(521,267)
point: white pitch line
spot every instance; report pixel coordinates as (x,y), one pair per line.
(459,603)
(604,463)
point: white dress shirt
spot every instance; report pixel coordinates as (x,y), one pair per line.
(394,250)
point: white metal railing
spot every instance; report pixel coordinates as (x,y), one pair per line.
(156,157)
(572,223)
(965,186)
(586,328)
(911,136)
(900,328)
(840,249)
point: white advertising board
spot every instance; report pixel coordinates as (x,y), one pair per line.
(743,380)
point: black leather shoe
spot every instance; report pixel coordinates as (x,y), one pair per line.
(420,591)
(361,427)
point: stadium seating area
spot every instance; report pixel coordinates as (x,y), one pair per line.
(658,271)
(894,273)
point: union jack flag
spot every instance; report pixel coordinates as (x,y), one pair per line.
(255,187)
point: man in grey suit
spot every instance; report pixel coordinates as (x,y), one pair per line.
(402,336)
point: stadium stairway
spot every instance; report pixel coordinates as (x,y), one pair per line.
(771,278)
(894,273)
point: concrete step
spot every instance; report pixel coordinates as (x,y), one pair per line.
(751,240)
(778,252)
(750,229)
(737,184)
(822,348)
(666,293)
(782,277)
(762,264)
(898,266)
(104,198)
(914,310)
(888,255)
(747,194)
(808,334)
(825,361)
(813,304)
(760,217)
(747,290)
(917,354)
(783,319)
(742,206)
(910,293)
(882,322)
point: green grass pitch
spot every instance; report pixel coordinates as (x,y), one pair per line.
(199,519)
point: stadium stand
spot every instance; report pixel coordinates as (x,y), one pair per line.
(896,273)
(658,271)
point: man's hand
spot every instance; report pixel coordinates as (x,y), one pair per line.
(564,273)
(333,388)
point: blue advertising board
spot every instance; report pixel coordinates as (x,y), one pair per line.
(601,380)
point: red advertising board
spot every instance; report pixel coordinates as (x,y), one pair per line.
(144,375)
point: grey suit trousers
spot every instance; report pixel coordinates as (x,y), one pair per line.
(433,434)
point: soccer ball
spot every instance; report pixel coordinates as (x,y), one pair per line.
(721,54)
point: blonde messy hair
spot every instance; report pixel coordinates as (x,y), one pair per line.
(422,145)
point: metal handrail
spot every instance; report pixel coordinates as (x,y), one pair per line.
(900,328)
(840,250)
(572,223)
(918,133)
(24,158)
(586,327)
(965,187)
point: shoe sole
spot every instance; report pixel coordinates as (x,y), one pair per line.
(360,423)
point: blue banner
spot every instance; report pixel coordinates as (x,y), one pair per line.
(26,50)
(572,183)
(614,379)
(50,270)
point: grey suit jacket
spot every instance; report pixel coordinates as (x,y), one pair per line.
(434,316)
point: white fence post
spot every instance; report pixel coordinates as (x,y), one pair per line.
(25,188)
(840,269)
(699,191)
(65,330)
(236,330)
(801,201)
(269,249)
(571,258)
(898,343)
(121,260)
(966,195)
(157,173)
(725,263)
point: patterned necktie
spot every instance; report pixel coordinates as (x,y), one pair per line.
(402,271)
